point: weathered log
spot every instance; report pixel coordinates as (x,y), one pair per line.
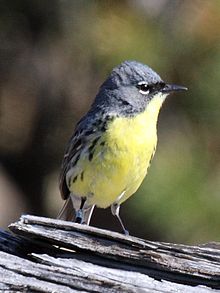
(48,255)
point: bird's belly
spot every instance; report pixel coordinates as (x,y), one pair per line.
(129,170)
(112,173)
(118,167)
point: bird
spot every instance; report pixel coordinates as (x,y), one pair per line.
(112,146)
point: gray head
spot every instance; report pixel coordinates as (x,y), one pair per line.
(130,87)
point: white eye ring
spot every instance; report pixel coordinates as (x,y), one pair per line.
(143,88)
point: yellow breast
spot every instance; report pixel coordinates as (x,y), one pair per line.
(119,167)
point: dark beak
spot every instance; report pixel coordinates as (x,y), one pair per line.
(173,88)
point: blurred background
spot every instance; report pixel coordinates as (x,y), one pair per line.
(53,57)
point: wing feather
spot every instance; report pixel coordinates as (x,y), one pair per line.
(86,131)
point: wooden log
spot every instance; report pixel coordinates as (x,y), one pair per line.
(48,255)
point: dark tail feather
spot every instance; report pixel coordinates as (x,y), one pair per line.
(67,212)
(71,205)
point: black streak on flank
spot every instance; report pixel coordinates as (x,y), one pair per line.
(74,179)
(82,176)
(91,148)
(91,156)
(102,143)
(104,124)
(94,143)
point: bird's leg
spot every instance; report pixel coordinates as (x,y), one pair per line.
(79,214)
(115,208)
(87,214)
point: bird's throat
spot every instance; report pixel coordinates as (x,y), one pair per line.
(139,128)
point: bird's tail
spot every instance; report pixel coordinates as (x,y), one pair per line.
(72,204)
(67,211)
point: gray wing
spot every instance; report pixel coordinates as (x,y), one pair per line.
(87,132)
(74,146)
(70,151)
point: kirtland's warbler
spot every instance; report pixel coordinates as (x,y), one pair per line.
(112,146)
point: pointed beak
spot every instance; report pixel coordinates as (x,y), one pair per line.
(173,88)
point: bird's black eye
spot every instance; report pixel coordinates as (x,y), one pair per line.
(143,88)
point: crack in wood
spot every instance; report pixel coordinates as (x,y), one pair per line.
(48,255)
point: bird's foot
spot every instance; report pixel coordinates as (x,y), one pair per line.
(79,217)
